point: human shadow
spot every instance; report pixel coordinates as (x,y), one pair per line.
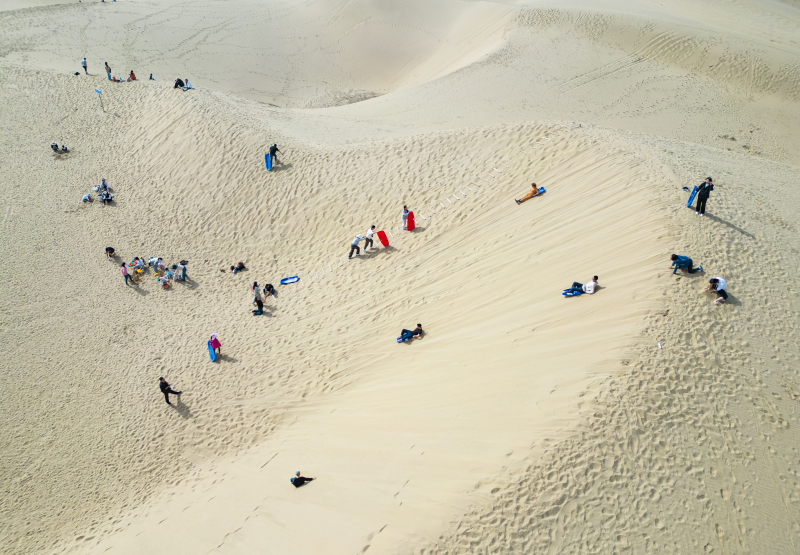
(181,408)
(730,225)
(732,300)
(226,358)
(418,228)
(281,167)
(138,289)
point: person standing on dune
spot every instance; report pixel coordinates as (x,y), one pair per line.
(108,70)
(405,217)
(273,153)
(368,242)
(702,196)
(166,389)
(83,65)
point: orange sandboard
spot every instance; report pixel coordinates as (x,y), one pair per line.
(383,239)
(410,225)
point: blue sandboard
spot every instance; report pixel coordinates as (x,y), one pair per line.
(568,293)
(268,161)
(292,279)
(541,190)
(401,340)
(211,352)
(691,197)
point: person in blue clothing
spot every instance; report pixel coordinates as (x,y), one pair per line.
(685,263)
(411,334)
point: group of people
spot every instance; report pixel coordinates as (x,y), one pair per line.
(715,285)
(161,271)
(180,84)
(62,150)
(258,300)
(104,194)
(131,75)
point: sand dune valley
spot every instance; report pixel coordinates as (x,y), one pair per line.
(641,418)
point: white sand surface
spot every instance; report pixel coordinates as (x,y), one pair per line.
(640,419)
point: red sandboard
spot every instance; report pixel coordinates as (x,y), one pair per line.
(410,225)
(383,239)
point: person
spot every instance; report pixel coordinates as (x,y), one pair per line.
(532,193)
(132,76)
(260,307)
(151,77)
(256,291)
(178,83)
(416,333)
(182,269)
(238,268)
(717,285)
(157,263)
(108,70)
(104,184)
(298,480)
(215,344)
(87,198)
(354,246)
(110,253)
(405,216)
(137,264)
(125,273)
(273,153)
(106,197)
(684,262)
(64,149)
(54,146)
(587,288)
(83,65)
(166,389)
(368,242)
(188,85)
(268,290)
(702,196)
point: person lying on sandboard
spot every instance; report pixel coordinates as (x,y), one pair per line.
(534,192)
(405,335)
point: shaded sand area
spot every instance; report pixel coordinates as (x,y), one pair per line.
(640,419)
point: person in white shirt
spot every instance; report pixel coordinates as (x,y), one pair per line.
(368,242)
(83,64)
(717,285)
(587,288)
(354,246)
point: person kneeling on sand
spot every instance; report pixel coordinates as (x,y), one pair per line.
(684,262)
(532,193)
(110,253)
(416,333)
(717,285)
(587,288)
(238,268)
(298,480)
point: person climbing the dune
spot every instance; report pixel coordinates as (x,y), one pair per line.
(532,193)
(717,285)
(416,333)
(684,263)
(368,241)
(587,288)
(273,153)
(354,246)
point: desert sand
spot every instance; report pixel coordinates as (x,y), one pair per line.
(640,419)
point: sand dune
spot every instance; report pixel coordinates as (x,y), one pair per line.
(640,419)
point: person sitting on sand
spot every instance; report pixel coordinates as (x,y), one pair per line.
(587,288)
(54,146)
(684,262)
(178,83)
(532,193)
(238,268)
(416,333)
(132,76)
(188,85)
(64,149)
(215,344)
(298,480)
(104,184)
(87,198)
(137,264)
(106,197)
(268,290)
(110,253)
(151,77)
(717,285)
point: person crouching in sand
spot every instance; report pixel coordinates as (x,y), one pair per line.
(717,285)
(298,480)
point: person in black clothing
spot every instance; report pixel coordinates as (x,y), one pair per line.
(411,334)
(272,153)
(260,305)
(702,196)
(179,83)
(298,480)
(166,389)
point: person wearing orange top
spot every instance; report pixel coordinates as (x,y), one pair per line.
(133,76)
(532,193)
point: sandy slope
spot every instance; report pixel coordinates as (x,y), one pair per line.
(524,421)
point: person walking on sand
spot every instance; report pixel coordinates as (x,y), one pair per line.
(215,344)
(532,193)
(83,65)
(273,156)
(685,263)
(702,196)
(717,285)
(108,70)
(298,480)
(587,288)
(166,389)
(354,246)
(368,241)
(125,274)
(405,217)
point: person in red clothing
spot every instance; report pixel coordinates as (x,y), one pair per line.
(215,344)
(132,76)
